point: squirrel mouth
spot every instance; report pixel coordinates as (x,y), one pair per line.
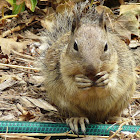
(91,73)
(93,77)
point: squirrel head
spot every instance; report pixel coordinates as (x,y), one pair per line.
(89,50)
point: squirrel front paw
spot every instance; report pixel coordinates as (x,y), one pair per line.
(103,79)
(74,121)
(83,82)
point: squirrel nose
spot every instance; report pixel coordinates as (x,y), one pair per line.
(94,68)
(91,70)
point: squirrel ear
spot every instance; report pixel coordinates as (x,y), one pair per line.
(75,24)
(102,23)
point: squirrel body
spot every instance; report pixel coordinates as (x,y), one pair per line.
(89,72)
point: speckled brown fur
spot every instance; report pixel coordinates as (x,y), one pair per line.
(63,63)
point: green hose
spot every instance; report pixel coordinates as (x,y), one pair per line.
(41,127)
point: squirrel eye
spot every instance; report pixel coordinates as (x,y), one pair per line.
(106,47)
(75,46)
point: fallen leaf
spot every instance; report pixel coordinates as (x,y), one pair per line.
(123,25)
(26,115)
(134,44)
(8,117)
(63,6)
(29,3)
(9,44)
(25,102)
(3,3)
(42,104)
(7,81)
(36,80)
(48,21)
(127,23)
(104,9)
(18,2)
(4,78)
(134,9)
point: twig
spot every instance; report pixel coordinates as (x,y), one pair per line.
(9,16)
(22,55)
(57,134)
(6,132)
(137,92)
(110,21)
(16,66)
(136,96)
(136,113)
(133,3)
(18,28)
(23,60)
(119,129)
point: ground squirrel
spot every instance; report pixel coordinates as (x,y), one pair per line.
(89,71)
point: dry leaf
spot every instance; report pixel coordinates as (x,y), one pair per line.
(36,80)
(4,78)
(8,117)
(27,3)
(26,115)
(66,6)
(8,83)
(127,21)
(9,80)
(134,44)
(123,25)
(134,9)
(3,3)
(42,104)
(104,9)
(9,44)
(48,21)
(32,36)
(25,102)
(18,2)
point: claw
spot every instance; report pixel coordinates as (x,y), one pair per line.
(82,124)
(70,123)
(101,73)
(103,79)
(74,121)
(83,82)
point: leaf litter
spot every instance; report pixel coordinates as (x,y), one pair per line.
(22,94)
